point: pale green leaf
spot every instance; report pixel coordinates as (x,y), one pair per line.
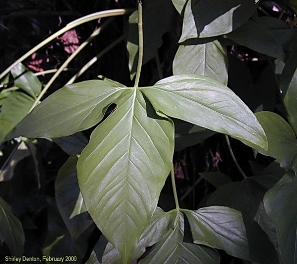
(207,59)
(219,227)
(172,249)
(26,80)
(69,199)
(207,103)
(179,5)
(279,204)
(11,230)
(209,18)
(291,102)
(123,169)
(282,144)
(14,109)
(258,38)
(71,109)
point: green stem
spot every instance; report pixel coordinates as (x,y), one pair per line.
(174,187)
(234,158)
(140,44)
(65,64)
(75,23)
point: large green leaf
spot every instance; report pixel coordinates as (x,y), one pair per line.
(256,37)
(282,143)
(123,169)
(219,227)
(207,103)
(14,109)
(279,204)
(69,199)
(291,102)
(207,59)
(209,18)
(26,80)
(11,230)
(71,109)
(172,249)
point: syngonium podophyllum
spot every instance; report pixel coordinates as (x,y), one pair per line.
(123,168)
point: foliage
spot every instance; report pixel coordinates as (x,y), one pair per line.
(131,161)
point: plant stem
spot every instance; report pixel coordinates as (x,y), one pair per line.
(140,44)
(174,187)
(75,23)
(234,158)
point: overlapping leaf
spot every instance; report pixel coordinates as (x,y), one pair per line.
(209,18)
(219,227)
(278,204)
(11,230)
(172,249)
(207,103)
(71,109)
(282,144)
(123,169)
(207,59)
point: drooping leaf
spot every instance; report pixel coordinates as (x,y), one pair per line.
(291,102)
(207,59)
(71,109)
(282,144)
(278,204)
(123,169)
(14,109)
(207,103)
(11,230)
(26,80)
(256,37)
(209,18)
(219,227)
(69,199)
(172,249)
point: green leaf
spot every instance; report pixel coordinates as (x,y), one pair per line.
(291,102)
(207,103)
(217,179)
(207,59)
(69,199)
(73,144)
(172,249)
(11,230)
(71,109)
(179,5)
(256,37)
(14,109)
(123,169)
(26,80)
(219,227)
(282,144)
(209,18)
(278,204)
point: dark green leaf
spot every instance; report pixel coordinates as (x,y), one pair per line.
(11,230)
(291,102)
(219,227)
(207,59)
(207,103)
(73,144)
(14,109)
(123,169)
(282,144)
(256,37)
(26,80)
(71,109)
(69,199)
(217,179)
(208,18)
(278,204)
(172,249)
